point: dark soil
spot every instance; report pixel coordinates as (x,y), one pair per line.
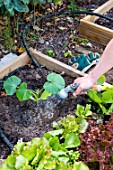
(21,120)
(104,22)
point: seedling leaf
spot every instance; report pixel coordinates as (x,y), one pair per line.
(23,93)
(55,83)
(45,95)
(10,85)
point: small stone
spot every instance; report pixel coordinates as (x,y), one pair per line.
(47,43)
(38,76)
(5,51)
(41,40)
(70,20)
(89,45)
(1,46)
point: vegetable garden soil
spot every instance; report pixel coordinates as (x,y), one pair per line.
(21,120)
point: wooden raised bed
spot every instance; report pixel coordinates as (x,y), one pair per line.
(95,32)
(43,60)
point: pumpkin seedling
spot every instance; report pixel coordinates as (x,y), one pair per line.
(54,84)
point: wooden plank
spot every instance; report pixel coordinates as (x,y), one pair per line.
(86,50)
(101,10)
(96,33)
(43,60)
(55,65)
(20,61)
(93,31)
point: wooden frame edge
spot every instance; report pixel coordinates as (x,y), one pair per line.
(20,61)
(93,31)
(102,9)
(42,59)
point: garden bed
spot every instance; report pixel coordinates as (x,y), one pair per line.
(24,120)
(95,32)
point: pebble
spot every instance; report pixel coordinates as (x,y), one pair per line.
(41,40)
(89,45)
(5,51)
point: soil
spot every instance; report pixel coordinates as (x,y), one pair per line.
(21,120)
(104,22)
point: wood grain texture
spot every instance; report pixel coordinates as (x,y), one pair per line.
(20,61)
(43,60)
(55,65)
(95,32)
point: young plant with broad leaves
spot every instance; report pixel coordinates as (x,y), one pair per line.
(54,84)
(103,100)
(11,6)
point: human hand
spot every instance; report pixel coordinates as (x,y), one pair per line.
(84,83)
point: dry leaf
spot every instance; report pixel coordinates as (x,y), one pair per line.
(62,28)
(21,50)
(3,94)
(28,19)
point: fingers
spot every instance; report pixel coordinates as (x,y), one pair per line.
(78,91)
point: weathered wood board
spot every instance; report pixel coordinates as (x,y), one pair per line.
(93,31)
(20,61)
(43,60)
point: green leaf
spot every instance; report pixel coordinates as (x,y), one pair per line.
(9,6)
(55,83)
(19,147)
(20,7)
(50,1)
(83,126)
(80,166)
(101,80)
(54,143)
(8,164)
(10,85)
(109,110)
(45,95)
(71,141)
(1,3)
(57,1)
(107,97)
(34,2)
(68,53)
(30,152)
(20,161)
(93,95)
(58,153)
(80,110)
(56,132)
(63,159)
(102,108)
(22,93)
(42,1)
(88,112)
(51,164)
(25,1)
